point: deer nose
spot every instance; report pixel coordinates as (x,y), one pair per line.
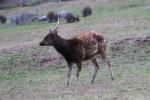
(41,44)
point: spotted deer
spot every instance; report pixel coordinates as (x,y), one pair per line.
(86,46)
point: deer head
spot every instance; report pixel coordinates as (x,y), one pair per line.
(47,41)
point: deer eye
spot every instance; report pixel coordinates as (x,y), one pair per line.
(46,37)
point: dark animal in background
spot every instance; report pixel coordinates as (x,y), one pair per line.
(52,17)
(3,19)
(87,46)
(70,18)
(87,11)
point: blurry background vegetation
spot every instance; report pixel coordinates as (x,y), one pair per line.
(6,4)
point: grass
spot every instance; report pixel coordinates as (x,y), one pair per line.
(30,80)
(20,28)
(24,76)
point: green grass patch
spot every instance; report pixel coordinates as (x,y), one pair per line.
(21,28)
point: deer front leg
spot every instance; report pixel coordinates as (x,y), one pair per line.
(69,72)
(95,64)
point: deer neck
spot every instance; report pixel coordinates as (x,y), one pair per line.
(61,45)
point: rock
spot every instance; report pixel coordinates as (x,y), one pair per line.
(42,18)
(22,18)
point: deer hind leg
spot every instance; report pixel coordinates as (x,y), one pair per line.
(102,52)
(110,67)
(94,62)
(69,72)
(79,66)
